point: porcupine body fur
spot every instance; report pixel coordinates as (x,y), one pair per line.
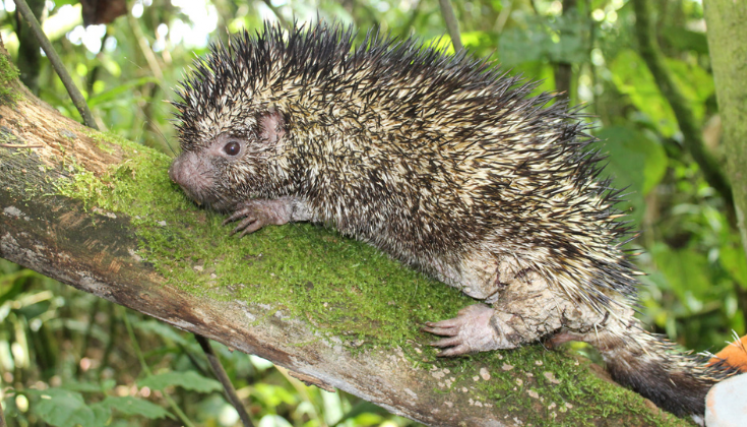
(443,162)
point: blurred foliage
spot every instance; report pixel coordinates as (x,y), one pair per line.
(67,357)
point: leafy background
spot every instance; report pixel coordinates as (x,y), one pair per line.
(68,358)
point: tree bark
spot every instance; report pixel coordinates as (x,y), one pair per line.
(66,211)
(691,132)
(726,44)
(29,49)
(726,36)
(563,71)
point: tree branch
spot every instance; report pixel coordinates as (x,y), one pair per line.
(220,373)
(726,35)
(691,134)
(102,216)
(59,67)
(29,55)
(452,25)
(563,70)
(276,12)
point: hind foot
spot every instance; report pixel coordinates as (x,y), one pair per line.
(471,331)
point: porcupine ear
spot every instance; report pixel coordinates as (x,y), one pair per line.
(271,126)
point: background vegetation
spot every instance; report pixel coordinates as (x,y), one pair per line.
(89,355)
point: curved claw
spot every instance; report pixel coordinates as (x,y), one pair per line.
(444,327)
(246,222)
(251,227)
(241,213)
(469,332)
(254,215)
(459,350)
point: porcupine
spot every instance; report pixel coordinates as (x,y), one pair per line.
(443,162)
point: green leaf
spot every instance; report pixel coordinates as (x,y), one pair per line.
(522,45)
(161,329)
(686,271)
(562,39)
(636,162)
(84,387)
(694,82)
(17,280)
(683,39)
(480,43)
(362,407)
(65,408)
(188,380)
(115,93)
(632,77)
(733,260)
(273,421)
(132,406)
(273,396)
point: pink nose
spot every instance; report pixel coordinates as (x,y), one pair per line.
(194,174)
(186,169)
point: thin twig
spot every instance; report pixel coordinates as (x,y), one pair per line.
(72,90)
(142,43)
(451,24)
(136,347)
(2,417)
(411,20)
(563,70)
(276,11)
(220,373)
(87,335)
(111,335)
(502,17)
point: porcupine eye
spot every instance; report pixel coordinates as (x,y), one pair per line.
(232,148)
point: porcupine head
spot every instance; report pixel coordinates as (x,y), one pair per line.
(443,163)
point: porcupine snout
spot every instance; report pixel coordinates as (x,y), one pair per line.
(194,175)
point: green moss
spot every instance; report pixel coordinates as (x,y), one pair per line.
(8,74)
(341,287)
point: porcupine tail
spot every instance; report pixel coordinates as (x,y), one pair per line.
(654,367)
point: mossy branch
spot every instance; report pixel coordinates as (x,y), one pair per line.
(691,133)
(101,215)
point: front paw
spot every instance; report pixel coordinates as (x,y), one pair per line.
(470,332)
(255,214)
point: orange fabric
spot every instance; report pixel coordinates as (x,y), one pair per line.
(734,354)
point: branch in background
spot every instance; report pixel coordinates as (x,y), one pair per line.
(691,134)
(112,336)
(277,13)
(93,76)
(87,336)
(144,366)
(451,24)
(503,16)
(563,70)
(2,417)
(411,20)
(220,373)
(155,70)
(726,35)
(29,56)
(72,90)
(142,43)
